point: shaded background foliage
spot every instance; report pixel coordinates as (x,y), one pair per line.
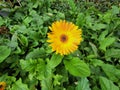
(24,51)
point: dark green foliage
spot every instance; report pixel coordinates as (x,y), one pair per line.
(28,63)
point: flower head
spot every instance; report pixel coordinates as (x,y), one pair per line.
(2,85)
(64,37)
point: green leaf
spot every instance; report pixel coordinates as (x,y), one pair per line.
(13,43)
(34,35)
(83,84)
(18,85)
(77,67)
(27,20)
(102,35)
(107,84)
(94,48)
(55,60)
(111,71)
(43,71)
(72,5)
(60,15)
(115,53)
(80,20)
(28,65)
(46,84)
(106,42)
(96,62)
(23,40)
(99,26)
(57,79)
(46,17)
(115,10)
(36,53)
(107,17)
(4,53)
(7,78)
(36,68)
(38,20)
(1,21)
(89,21)
(18,50)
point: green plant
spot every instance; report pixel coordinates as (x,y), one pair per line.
(28,63)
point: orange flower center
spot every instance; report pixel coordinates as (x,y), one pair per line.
(63,38)
(1,87)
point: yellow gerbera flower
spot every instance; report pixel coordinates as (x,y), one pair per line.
(64,37)
(2,85)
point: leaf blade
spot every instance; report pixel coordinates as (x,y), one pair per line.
(107,84)
(77,67)
(4,53)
